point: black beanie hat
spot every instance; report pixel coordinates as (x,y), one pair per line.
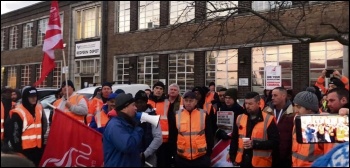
(123,100)
(141,95)
(70,83)
(159,83)
(107,84)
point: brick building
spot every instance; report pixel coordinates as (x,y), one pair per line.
(136,41)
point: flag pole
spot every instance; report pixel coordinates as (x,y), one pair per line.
(64,65)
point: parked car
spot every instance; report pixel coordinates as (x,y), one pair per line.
(128,88)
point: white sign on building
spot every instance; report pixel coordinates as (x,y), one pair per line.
(87,49)
(273,77)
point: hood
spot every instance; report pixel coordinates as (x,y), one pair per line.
(25,101)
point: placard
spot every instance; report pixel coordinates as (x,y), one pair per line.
(273,77)
(225,120)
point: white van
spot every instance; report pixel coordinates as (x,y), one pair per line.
(128,88)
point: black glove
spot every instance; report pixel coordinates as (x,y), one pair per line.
(143,159)
(221,134)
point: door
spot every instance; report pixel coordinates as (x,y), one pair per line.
(86,81)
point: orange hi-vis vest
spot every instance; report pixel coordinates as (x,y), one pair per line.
(261,158)
(304,154)
(207,105)
(74,100)
(94,107)
(101,119)
(2,120)
(191,142)
(161,109)
(32,126)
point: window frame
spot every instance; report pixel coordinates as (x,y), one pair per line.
(13,38)
(27,35)
(126,12)
(80,25)
(180,12)
(144,73)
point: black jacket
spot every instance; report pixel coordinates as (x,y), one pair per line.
(271,143)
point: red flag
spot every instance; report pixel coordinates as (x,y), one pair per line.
(72,144)
(53,40)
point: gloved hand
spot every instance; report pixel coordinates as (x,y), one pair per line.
(221,134)
(143,159)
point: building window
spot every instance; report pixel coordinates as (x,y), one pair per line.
(181,11)
(13,37)
(271,56)
(221,67)
(122,70)
(57,75)
(217,5)
(181,70)
(148,70)
(27,35)
(88,67)
(88,22)
(268,5)
(11,76)
(25,76)
(149,14)
(38,75)
(42,24)
(325,55)
(2,39)
(123,16)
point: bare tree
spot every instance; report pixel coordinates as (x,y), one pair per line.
(303,20)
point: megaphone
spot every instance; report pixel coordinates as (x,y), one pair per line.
(145,117)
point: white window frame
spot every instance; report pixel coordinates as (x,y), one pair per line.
(2,39)
(13,38)
(25,75)
(81,22)
(122,63)
(42,24)
(149,9)
(327,50)
(57,75)
(122,16)
(12,76)
(268,5)
(141,70)
(187,64)
(27,35)
(273,63)
(184,10)
(231,57)
(220,5)
(38,75)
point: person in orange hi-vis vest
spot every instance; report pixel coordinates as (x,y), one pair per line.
(193,135)
(161,105)
(303,155)
(321,80)
(97,102)
(94,104)
(255,135)
(2,120)
(27,125)
(75,105)
(101,118)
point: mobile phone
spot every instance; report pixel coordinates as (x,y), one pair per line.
(329,72)
(318,128)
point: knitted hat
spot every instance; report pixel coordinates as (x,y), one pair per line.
(118,91)
(232,92)
(307,99)
(141,95)
(107,84)
(190,95)
(123,100)
(70,83)
(159,83)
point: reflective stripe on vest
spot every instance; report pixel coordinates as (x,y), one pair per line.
(32,127)
(304,154)
(187,138)
(101,119)
(260,157)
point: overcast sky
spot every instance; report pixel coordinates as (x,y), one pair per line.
(8,6)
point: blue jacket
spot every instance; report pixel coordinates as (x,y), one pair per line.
(122,143)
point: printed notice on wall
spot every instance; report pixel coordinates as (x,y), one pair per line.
(273,77)
(225,120)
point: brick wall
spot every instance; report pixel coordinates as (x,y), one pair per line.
(301,61)
(164,13)
(163,69)
(244,4)
(244,70)
(134,15)
(200,11)
(133,70)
